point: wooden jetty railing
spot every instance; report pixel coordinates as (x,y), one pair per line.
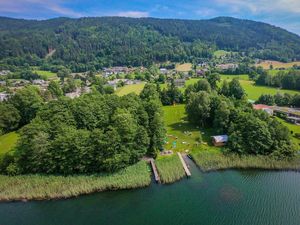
(186,169)
(154,169)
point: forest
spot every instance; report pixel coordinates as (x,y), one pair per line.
(92,43)
(91,134)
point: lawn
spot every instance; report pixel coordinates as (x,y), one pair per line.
(182,135)
(133,88)
(46,74)
(184,67)
(8,142)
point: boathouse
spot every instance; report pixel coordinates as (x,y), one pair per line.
(219,140)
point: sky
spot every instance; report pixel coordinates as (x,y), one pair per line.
(282,13)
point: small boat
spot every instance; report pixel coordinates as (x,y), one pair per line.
(189,156)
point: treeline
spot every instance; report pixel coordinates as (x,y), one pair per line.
(173,95)
(286,80)
(90,134)
(280,100)
(249,131)
(91,43)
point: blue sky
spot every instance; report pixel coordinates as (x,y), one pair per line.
(283,13)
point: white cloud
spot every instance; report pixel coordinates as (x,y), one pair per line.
(259,6)
(134,14)
(33,6)
(206,12)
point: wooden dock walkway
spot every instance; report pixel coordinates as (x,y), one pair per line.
(186,169)
(154,169)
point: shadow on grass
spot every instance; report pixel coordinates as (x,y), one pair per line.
(186,126)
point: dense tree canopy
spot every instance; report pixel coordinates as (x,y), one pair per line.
(90,134)
(249,131)
(90,43)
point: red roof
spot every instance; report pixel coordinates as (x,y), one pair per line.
(261,106)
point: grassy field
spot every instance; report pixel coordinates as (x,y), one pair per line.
(210,160)
(184,67)
(179,130)
(266,64)
(8,142)
(46,74)
(38,187)
(134,88)
(253,91)
(220,53)
(292,127)
(240,77)
(169,168)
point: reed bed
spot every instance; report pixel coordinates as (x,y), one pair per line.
(42,187)
(169,168)
(213,160)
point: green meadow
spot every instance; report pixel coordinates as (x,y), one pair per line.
(8,142)
(127,89)
(46,74)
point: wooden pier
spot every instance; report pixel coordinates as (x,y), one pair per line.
(186,169)
(154,169)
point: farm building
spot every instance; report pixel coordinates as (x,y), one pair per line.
(266,108)
(219,140)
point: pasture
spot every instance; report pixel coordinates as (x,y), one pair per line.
(276,65)
(8,142)
(254,92)
(127,89)
(220,53)
(185,67)
(46,74)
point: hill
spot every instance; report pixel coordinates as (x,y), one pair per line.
(87,43)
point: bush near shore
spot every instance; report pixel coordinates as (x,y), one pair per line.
(42,187)
(210,160)
(169,168)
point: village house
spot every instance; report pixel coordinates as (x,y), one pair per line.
(74,94)
(2,83)
(163,71)
(3,96)
(266,108)
(115,70)
(201,72)
(227,66)
(219,140)
(38,82)
(179,82)
(290,114)
(4,72)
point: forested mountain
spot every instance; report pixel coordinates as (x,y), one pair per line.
(88,43)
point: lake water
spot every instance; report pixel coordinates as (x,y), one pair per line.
(217,198)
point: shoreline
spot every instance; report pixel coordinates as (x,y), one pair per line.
(41,183)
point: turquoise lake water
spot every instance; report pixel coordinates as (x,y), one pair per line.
(228,198)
